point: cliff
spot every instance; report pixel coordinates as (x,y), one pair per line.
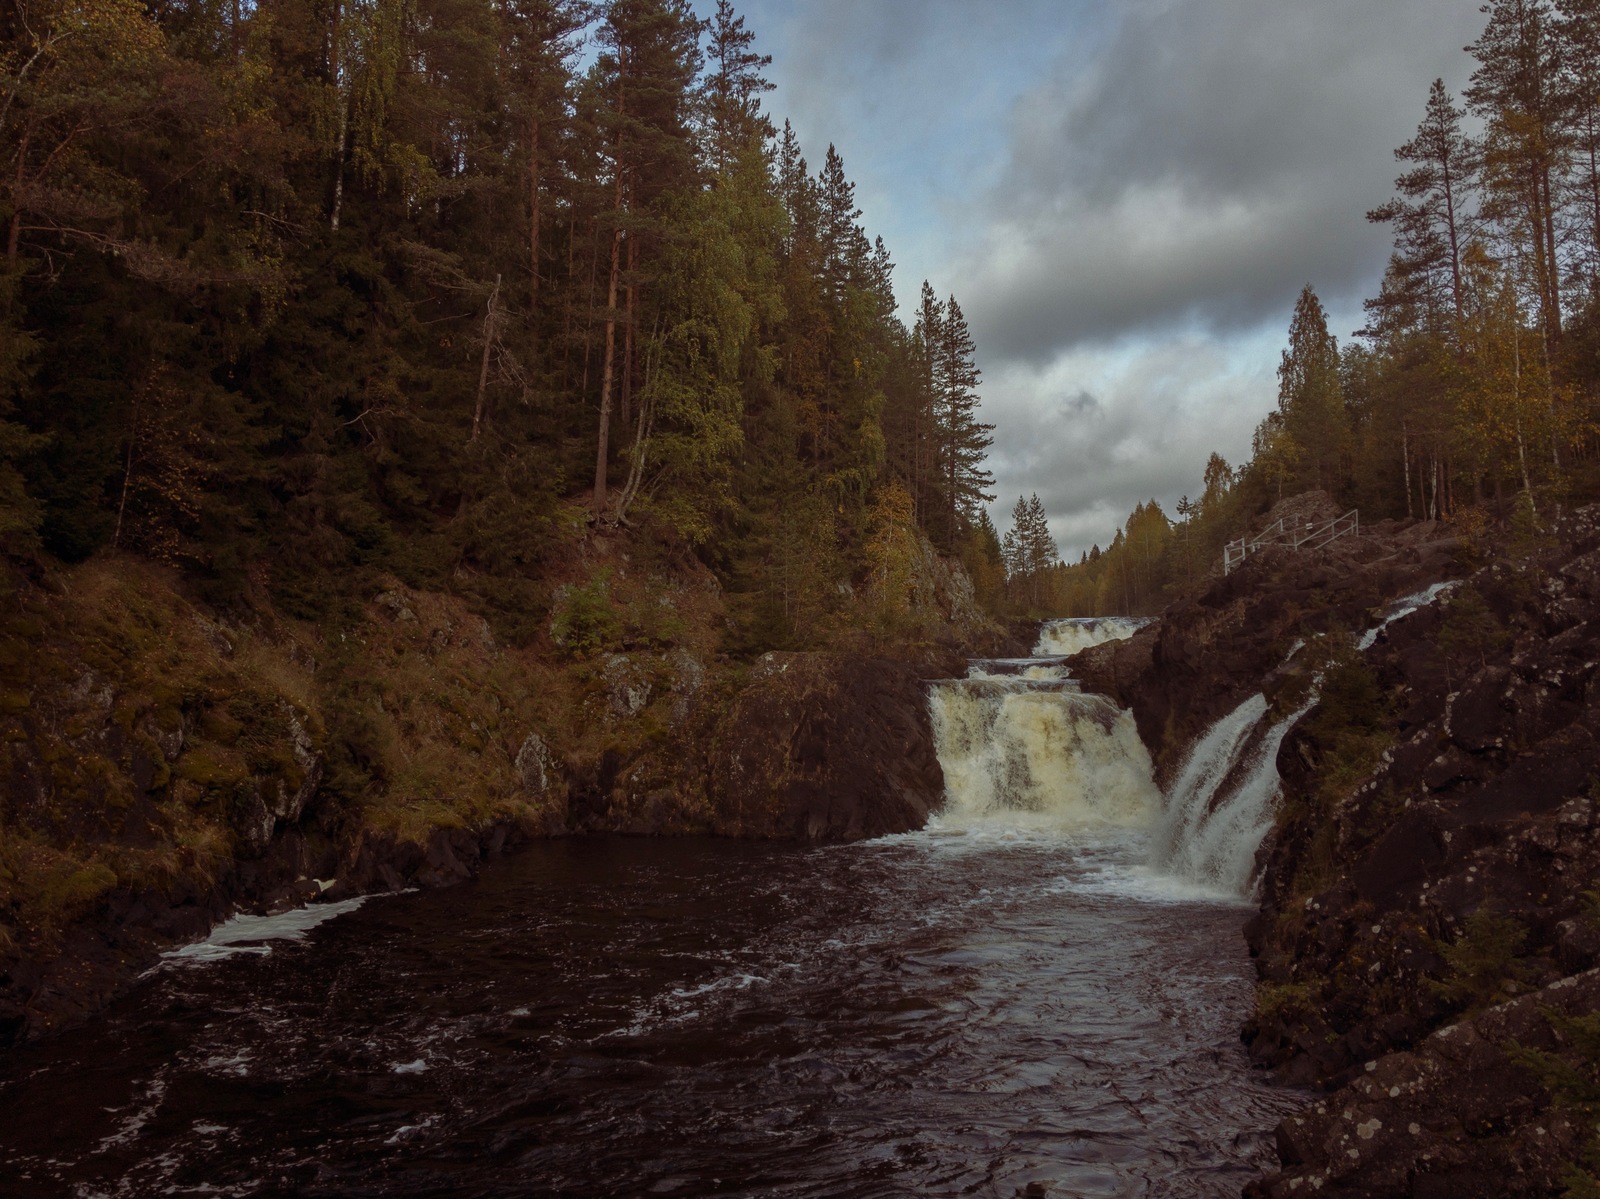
(165,763)
(1429,927)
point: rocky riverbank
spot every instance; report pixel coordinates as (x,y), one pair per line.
(1430,918)
(165,764)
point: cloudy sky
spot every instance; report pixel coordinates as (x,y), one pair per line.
(1126,197)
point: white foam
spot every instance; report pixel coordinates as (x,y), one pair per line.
(1404,607)
(1224,801)
(252,934)
(1038,758)
(1067,637)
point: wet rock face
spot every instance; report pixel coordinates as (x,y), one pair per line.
(1207,654)
(1437,910)
(825,747)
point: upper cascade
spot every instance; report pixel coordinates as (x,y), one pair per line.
(1064,638)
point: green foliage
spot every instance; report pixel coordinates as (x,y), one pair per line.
(583,620)
(1469,633)
(1482,966)
(1572,1077)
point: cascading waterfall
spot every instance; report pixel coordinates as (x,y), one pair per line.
(1405,607)
(1022,745)
(1066,637)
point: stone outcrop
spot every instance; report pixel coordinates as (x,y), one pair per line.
(1206,654)
(825,747)
(1429,928)
(1469,1113)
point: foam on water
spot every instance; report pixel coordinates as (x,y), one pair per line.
(1029,759)
(254,934)
(1222,803)
(1066,637)
(1032,756)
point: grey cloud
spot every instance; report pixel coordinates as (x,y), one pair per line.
(1144,432)
(1214,157)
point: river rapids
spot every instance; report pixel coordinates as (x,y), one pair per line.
(1036,996)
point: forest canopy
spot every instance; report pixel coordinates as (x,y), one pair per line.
(296,291)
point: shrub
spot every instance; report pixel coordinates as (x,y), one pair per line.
(584,620)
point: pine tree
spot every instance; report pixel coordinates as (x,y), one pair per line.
(963,440)
(1429,216)
(1309,399)
(1515,90)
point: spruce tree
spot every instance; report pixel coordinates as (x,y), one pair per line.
(963,439)
(1309,398)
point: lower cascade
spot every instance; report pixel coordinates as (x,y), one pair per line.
(1022,746)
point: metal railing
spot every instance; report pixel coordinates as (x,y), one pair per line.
(1312,537)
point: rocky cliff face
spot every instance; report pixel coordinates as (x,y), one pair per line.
(1206,654)
(1430,917)
(826,747)
(1436,912)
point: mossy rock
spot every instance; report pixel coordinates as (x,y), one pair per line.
(67,893)
(211,770)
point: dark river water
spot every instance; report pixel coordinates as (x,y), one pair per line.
(994,1012)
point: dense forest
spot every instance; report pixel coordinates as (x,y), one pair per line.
(1473,391)
(298,292)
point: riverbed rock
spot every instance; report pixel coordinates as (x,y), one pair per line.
(1209,652)
(1429,924)
(825,747)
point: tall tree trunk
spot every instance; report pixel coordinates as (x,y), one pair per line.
(566,316)
(627,334)
(588,325)
(606,374)
(608,370)
(490,320)
(344,117)
(1455,244)
(14,233)
(1593,138)
(533,237)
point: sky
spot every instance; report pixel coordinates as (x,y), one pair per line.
(1125,196)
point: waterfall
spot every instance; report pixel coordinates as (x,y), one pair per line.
(1405,607)
(1067,637)
(1024,749)
(1037,752)
(1022,745)
(1221,804)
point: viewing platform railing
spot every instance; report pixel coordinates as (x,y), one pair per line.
(1312,537)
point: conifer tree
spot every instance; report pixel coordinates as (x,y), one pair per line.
(734,87)
(1309,399)
(1429,216)
(963,439)
(1515,90)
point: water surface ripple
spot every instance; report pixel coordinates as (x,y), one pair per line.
(941,1014)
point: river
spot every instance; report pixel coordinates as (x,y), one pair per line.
(1005,1004)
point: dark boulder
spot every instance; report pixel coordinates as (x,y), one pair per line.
(825,747)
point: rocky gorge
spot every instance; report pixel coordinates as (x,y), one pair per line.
(1428,931)
(1427,946)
